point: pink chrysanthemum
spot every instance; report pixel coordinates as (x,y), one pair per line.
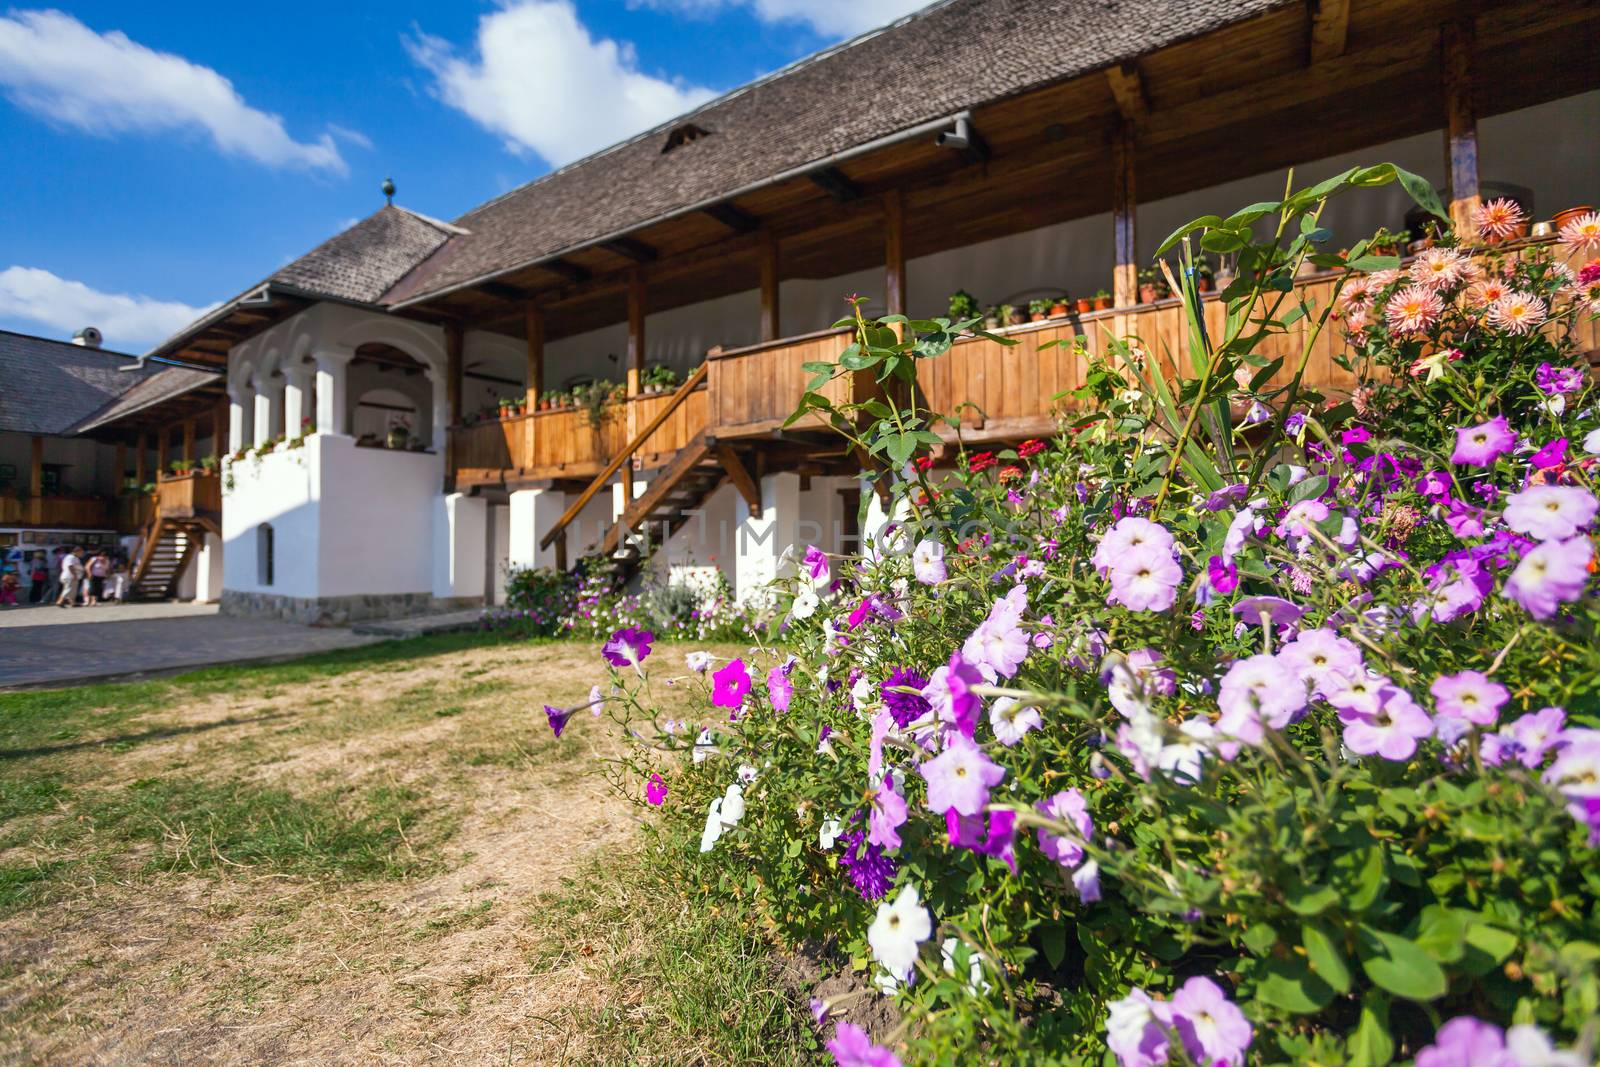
(1379,280)
(1437,268)
(1499,218)
(1413,309)
(1356,291)
(1356,321)
(1582,234)
(1486,292)
(1517,312)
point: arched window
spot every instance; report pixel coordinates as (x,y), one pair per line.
(264,554)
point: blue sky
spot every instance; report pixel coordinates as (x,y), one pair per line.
(160,158)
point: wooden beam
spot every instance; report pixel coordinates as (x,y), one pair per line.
(188,440)
(1127,88)
(836,184)
(630,248)
(534,324)
(219,427)
(1461,125)
(454,351)
(501,291)
(770,318)
(636,306)
(570,272)
(734,218)
(1124,209)
(36,480)
(1330,27)
(894,253)
(740,476)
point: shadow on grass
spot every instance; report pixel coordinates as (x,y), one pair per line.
(159,733)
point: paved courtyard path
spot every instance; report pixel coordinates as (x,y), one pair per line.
(57,646)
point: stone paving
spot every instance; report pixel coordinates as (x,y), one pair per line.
(42,646)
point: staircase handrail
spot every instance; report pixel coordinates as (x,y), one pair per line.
(147,550)
(623,456)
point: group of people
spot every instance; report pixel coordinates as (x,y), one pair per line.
(76,577)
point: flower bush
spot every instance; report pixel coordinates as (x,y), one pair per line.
(696,605)
(1178,739)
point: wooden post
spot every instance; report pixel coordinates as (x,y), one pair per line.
(139,450)
(769,286)
(533,318)
(163,439)
(36,482)
(636,297)
(188,440)
(1124,208)
(219,429)
(1461,126)
(454,340)
(894,252)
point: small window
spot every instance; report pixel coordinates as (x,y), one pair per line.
(682,135)
(264,554)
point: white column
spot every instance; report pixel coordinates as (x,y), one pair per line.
(263,418)
(533,513)
(439,415)
(759,540)
(208,570)
(296,398)
(459,545)
(332,366)
(241,417)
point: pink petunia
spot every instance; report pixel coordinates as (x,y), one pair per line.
(851,1047)
(1549,512)
(960,777)
(779,688)
(1392,730)
(1146,578)
(1257,691)
(1469,695)
(1554,573)
(1481,445)
(655,791)
(730,684)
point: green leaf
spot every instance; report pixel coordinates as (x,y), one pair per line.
(1371,1045)
(1201,223)
(1361,870)
(1289,984)
(1399,966)
(1371,263)
(1309,489)
(1486,947)
(1247,215)
(1441,933)
(1309,900)
(1327,962)
(1422,191)
(1260,938)
(1054,940)
(1223,241)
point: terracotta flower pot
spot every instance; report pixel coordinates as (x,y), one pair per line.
(1147,294)
(1204,284)
(1037,316)
(1563,217)
(1085,304)
(1102,303)
(1058,310)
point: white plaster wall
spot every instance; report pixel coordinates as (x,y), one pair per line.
(458,545)
(376,527)
(282,489)
(500,520)
(208,570)
(532,512)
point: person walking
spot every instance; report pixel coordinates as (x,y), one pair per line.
(9,584)
(99,569)
(71,577)
(39,576)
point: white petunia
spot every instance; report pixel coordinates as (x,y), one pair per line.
(897,932)
(699,662)
(1012,719)
(831,829)
(713,830)
(703,746)
(1591,443)
(927,562)
(805,604)
(975,979)
(1183,760)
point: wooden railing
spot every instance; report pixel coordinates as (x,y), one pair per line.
(64,512)
(659,421)
(134,511)
(755,389)
(567,444)
(188,496)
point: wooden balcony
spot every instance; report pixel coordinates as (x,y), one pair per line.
(567,444)
(64,512)
(196,495)
(1001,393)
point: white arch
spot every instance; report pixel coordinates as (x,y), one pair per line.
(414,339)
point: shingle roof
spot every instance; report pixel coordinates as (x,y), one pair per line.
(165,384)
(946,58)
(50,387)
(364,261)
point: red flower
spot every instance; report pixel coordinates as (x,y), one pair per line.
(923,463)
(981,461)
(1030,448)
(1009,472)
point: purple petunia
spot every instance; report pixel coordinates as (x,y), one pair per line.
(816,564)
(558,718)
(1257,691)
(1145,578)
(994,836)
(1481,445)
(1137,1028)
(1392,729)
(1323,660)
(851,1047)
(730,684)
(870,869)
(1068,806)
(1554,573)
(655,790)
(1213,1029)
(627,647)
(949,693)
(1527,740)
(886,815)
(960,777)
(780,690)
(1550,512)
(1469,695)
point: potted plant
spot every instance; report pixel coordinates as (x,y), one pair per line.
(546,398)
(991,317)
(1059,306)
(1566,215)
(1038,310)
(399,433)
(1102,299)
(1148,291)
(208,464)
(963,306)
(1010,314)
(1084,304)
(1205,278)
(180,467)
(1386,242)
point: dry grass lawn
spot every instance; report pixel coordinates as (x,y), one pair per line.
(379,856)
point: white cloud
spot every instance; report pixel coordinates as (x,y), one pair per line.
(830,18)
(127,322)
(540,80)
(58,68)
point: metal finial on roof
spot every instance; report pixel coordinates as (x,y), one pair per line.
(388,190)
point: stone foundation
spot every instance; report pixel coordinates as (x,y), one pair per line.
(339,610)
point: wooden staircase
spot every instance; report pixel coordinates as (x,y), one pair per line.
(167,551)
